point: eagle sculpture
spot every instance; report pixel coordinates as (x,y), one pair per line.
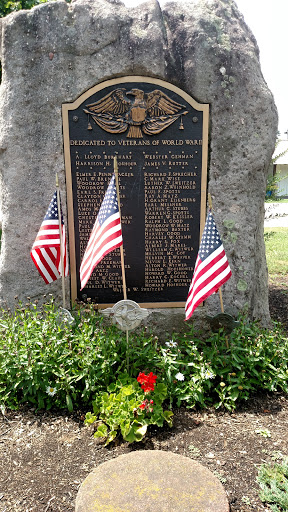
(148,113)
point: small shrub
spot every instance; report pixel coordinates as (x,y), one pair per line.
(273,480)
(127,409)
(214,375)
(49,363)
(37,352)
(194,451)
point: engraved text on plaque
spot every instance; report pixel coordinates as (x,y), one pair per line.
(160,136)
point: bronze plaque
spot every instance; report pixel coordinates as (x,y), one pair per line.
(160,136)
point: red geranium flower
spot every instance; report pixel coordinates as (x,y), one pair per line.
(147,381)
(141,378)
(146,406)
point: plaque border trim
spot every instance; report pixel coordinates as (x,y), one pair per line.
(66,107)
(158,305)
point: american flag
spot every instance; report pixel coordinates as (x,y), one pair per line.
(106,234)
(211,268)
(46,249)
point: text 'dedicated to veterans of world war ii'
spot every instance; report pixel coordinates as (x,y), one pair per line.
(160,137)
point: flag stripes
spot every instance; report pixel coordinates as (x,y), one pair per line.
(211,268)
(103,240)
(207,283)
(45,252)
(106,234)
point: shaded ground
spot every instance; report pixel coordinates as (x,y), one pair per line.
(45,456)
(278,299)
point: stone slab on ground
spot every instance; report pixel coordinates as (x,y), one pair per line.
(151,480)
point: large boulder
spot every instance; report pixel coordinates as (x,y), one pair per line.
(56,51)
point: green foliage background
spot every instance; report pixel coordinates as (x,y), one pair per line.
(39,350)
(8,6)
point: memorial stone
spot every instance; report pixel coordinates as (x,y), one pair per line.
(202,49)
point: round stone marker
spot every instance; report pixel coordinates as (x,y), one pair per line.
(151,481)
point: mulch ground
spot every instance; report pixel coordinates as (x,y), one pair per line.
(278,299)
(44,457)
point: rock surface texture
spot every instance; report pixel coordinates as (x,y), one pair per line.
(56,51)
(151,480)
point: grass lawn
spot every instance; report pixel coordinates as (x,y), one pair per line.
(276,240)
(277,200)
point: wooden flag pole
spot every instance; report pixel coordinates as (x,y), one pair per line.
(221,299)
(220,291)
(61,245)
(121,246)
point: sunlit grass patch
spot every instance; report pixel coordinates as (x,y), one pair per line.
(276,240)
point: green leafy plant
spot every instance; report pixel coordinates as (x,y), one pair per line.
(264,432)
(8,6)
(220,476)
(220,376)
(246,500)
(272,185)
(273,480)
(39,352)
(126,409)
(194,451)
(49,363)
(277,455)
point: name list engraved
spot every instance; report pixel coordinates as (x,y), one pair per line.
(167,230)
